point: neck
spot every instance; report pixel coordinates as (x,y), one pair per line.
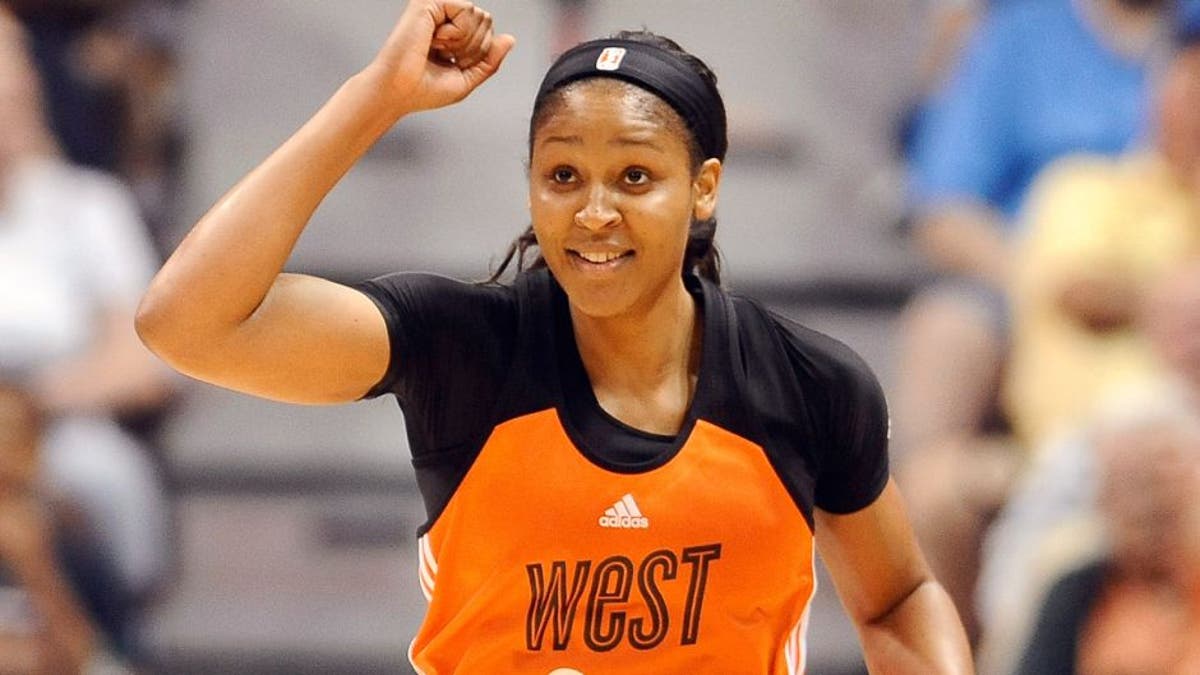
(1130,31)
(643,364)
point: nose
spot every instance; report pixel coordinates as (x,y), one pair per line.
(599,211)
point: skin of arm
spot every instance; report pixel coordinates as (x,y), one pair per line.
(965,239)
(905,620)
(221,310)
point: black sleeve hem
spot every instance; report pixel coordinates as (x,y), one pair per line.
(863,500)
(388,379)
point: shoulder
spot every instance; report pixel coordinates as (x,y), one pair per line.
(425,311)
(811,353)
(1078,173)
(422,289)
(444,333)
(824,414)
(1087,183)
(808,376)
(1000,43)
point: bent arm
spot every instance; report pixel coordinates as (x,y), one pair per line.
(222,311)
(905,620)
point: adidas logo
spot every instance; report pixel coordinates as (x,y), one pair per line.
(624,514)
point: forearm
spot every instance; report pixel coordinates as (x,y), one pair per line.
(921,635)
(966,240)
(226,265)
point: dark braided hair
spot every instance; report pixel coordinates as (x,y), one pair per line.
(701,256)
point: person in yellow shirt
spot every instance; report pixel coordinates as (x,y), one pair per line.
(1100,233)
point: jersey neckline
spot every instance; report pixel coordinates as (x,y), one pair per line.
(565,355)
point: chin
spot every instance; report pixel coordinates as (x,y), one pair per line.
(597,303)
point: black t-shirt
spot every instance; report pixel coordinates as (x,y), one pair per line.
(458,370)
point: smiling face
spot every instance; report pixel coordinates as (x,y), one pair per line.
(613,189)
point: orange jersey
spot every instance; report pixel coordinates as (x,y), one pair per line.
(551,550)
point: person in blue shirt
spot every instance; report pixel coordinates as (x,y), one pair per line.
(1038,80)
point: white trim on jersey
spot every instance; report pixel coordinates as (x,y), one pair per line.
(413,643)
(795,651)
(427,566)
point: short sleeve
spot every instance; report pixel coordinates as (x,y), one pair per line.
(854,470)
(451,345)
(963,150)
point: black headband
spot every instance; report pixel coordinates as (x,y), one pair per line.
(656,70)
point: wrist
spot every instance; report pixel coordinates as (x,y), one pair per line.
(376,87)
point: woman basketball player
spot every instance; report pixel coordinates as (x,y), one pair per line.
(623,467)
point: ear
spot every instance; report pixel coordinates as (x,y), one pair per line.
(705,188)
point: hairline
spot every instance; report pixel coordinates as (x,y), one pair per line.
(662,108)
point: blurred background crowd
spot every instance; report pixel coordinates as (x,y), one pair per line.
(996,202)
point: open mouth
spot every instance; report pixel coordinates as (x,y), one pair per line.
(600,258)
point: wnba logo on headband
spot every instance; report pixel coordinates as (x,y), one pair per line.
(660,71)
(610,58)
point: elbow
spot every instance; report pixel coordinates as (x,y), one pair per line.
(886,613)
(149,322)
(180,332)
(165,329)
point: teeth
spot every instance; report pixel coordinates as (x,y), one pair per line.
(599,257)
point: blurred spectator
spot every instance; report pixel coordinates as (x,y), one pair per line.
(84,113)
(948,24)
(43,627)
(110,73)
(1187,22)
(1037,80)
(1049,525)
(1137,610)
(73,262)
(1098,234)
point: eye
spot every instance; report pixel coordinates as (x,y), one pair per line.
(636,176)
(562,175)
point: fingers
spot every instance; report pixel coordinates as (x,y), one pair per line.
(464,37)
(501,45)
